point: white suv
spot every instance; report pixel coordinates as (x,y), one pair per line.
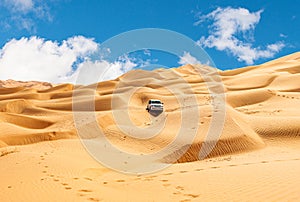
(155,105)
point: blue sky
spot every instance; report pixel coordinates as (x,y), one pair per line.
(233,33)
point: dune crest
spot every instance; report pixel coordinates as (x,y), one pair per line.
(27,84)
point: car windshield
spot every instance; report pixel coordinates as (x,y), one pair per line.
(155,102)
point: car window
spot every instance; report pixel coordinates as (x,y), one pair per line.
(154,102)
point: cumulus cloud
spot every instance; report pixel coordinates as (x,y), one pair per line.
(19,5)
(45,60)
(283,35)
(101,70)
(24,13)
(232,31)
(187,58)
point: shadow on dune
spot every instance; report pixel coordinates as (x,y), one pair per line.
(155,112)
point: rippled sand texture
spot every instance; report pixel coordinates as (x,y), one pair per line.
(256,154)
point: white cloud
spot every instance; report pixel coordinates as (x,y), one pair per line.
(24,13)
(232,31)
(95,71)
(19,5)
(283,35)
(187,58)
(45,60)
(147,52)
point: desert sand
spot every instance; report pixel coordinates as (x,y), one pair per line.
(256,157)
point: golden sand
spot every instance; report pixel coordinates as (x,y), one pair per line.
(256,157)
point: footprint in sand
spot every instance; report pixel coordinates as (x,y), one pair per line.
(93,199)
(192,195)
(87,178)
(152,176)
(147,179)
(183,171)
(180,188)
(85,190)
(120,180)
(199,169)
(66,185)
(185,200)
(168,174)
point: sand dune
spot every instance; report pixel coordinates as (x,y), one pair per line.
(260,113)
(27,84)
